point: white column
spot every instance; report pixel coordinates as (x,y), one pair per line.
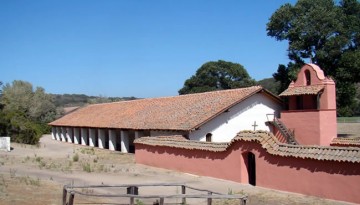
(69,134)
(84,136)
(53,133)
(58,133)
(76,135)
(63,134)
(92,137)
(101,138)
(124,141)
(112,139)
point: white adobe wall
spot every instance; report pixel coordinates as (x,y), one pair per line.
(240,117)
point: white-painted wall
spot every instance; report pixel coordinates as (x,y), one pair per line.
(58,133)
(92,137)
(69,134)
(84,136)
(112,139)
(53,133)
(124,141)
(240,117)
(77,135)
(63,134)
(101,138)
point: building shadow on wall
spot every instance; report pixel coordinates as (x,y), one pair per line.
(241,147)
(313,165)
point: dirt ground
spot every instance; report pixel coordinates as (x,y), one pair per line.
(37,174)
(349,129)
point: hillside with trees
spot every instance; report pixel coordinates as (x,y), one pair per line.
(79,100)
(270,84)
(25,112)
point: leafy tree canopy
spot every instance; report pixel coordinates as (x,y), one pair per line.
(218,75)
(25,112)
(325,33)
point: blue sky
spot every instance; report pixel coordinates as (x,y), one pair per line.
(139,48)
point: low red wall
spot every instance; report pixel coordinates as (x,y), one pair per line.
(326,179)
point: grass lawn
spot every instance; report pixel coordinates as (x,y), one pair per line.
(348,119)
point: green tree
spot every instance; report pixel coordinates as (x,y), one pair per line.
(327,34)
(284,75)
(218,75)
(17,96)
(25,112)
(42,107)
(3,121)
(269,84)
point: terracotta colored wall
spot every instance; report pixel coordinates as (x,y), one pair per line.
(328,98)
(207,163)
(311,127)
(305,124)
(301,80)
(333,180)
(328,126)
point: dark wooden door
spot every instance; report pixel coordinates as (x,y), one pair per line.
(251,169)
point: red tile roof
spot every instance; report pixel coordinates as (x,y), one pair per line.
(184,112)
(303,90)
(268,141)
(340,141)
(183,143)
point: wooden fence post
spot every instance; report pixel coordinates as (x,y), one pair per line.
(71,198)
(64,195)
(183,191)
(133,190)
(161,201)
(209,200)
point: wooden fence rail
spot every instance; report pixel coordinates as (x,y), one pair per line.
(133,193)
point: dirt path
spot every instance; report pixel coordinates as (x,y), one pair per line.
(348,129)
(35,175)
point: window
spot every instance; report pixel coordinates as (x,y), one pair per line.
(307,77)
(299,102)
(208,137)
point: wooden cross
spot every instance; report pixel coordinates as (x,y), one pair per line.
(254,125)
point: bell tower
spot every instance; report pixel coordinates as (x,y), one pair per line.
(311,107)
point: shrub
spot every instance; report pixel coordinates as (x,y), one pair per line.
(87,167)
(23,130)
(76,157)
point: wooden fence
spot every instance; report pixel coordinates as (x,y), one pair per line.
(134,192)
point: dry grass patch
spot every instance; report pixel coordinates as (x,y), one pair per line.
(27,190)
